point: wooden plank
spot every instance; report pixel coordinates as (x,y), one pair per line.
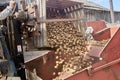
(58,20)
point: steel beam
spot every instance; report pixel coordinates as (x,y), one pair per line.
(42,39)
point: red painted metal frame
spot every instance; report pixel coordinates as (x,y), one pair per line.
(101,32)
(96,25)
(113,30)
(102,35)
(112,50)
(105,33)
(108,68)
(44,70)
(106,65)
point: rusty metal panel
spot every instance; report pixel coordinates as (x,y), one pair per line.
(116,71)
(102,35)
(112,49)
(108,68)
(44,69)
(97,25)
(105,33)
(113,30)
(100,75)
(101,71)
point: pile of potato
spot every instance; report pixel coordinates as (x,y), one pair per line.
(71,50)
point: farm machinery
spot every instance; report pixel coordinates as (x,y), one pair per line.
(46,40)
